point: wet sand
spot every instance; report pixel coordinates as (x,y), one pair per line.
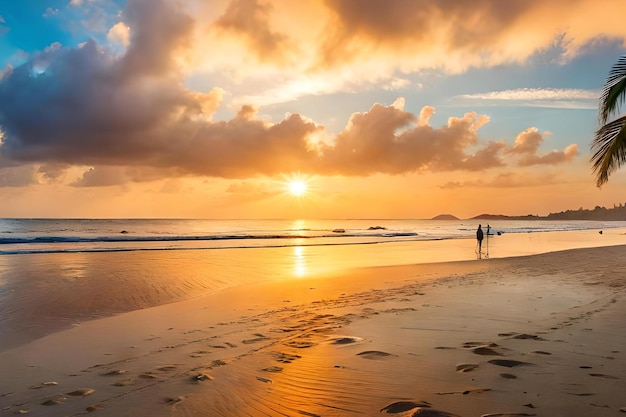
(536,335)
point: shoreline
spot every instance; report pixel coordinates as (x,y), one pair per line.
(355,343)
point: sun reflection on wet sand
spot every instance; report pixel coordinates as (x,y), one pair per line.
(299,261)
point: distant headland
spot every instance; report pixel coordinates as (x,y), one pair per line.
(617,213)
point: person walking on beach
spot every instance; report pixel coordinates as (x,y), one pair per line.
(479,238)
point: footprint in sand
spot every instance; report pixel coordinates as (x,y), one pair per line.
(471,345)
(217,363)
(83,392)
(482,348)
(259,338)
(508,363)
(525,336)
(345,340)
(508,415)
(285,357)
(95,407)
(167,368)
(466,367)
(201,377)
(299,345)
(604,376)
(56,400)
(419,409)
(273,369)
(375,354)
(172,401)
(485,351)
(402,406)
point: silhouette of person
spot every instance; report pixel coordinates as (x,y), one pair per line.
(479,238)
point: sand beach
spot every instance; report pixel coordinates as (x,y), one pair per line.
(531,335)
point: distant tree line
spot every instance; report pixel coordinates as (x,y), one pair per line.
(618,212)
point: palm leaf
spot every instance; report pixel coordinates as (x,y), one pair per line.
(609,147)
(614,91)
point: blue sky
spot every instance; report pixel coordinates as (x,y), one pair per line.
(385,108)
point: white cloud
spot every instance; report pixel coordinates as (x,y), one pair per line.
(119,33)
(396,83)
(51,12)
(537,97)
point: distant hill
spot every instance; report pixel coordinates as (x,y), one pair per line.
(445,217)
(490,217)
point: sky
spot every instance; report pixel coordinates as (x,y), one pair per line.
(381,108)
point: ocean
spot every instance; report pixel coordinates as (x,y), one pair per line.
(29,236)
(57,273)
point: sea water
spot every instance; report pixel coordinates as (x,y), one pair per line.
(23,236)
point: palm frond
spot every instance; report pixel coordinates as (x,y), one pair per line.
(614,91)
(609,147)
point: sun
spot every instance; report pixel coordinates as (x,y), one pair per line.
(296,185)
(297,188)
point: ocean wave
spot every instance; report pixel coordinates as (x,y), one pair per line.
(162,238)
(34,250)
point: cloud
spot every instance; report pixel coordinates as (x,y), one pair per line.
(504,180)
(53,172)
(17,176)
(285,50)
(536,94)
(535,97)
(249,19)
(51,12)
(79,3)
(453,36)
(119,33)
(386,139)
(102,176)
(130,117)
(527,144)
(91,17)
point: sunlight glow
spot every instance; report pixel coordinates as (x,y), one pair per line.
(297,188)
(299,262)
(296,185)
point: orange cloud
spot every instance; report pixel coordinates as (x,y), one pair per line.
(249,19)
(527,144)
(456,36)
(504,180)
